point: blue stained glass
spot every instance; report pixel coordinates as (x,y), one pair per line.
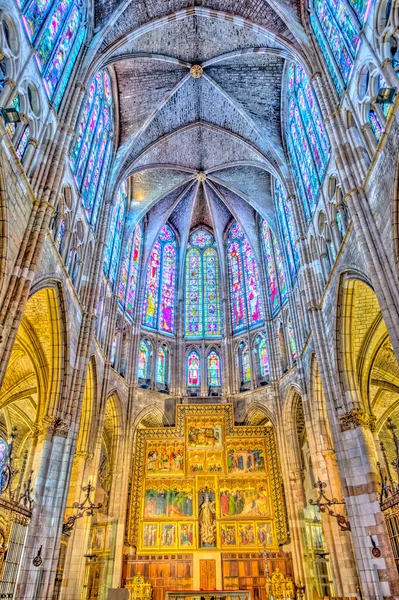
(91,152)
(114,240)
(23,143)
(245,296)
(307,141)
(161,366)
(327,58)
(68,70)
(35,14)
(160,290)
(202,297)
(287,227)
(341,31)
(375,124)
(274,268)
(144,359)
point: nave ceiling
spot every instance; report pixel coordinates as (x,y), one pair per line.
(227,123)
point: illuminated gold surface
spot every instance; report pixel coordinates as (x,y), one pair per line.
(206,485)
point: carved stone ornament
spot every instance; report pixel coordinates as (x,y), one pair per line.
(196,71)
(357,418)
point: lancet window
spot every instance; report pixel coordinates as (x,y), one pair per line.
(160,289)
(246,303)
(91,153)
(115,232)
(130,270)
(307,140)
(55,28)
(245,363)
(162,365)
(263,357)
(336,25)
(287,228)
(144,360)
(193,369)
(214,369)
(276,282)
(202,310)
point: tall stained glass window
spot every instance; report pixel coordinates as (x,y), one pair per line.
(130,270)
(115,232)
(91,152)
(292,341)
(245,363)
(246,303)
(214,369)
(307,140)
(144,360)
(337,26)
(55,28)
(202,299)
(263,358)
(161,375)
(193,369)
(160,290)
(276,283)
(287,228)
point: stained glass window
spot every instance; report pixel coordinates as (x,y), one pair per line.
(91,152)
(161,365)
(263,358)
(3,452)
(193,369)
(274,268)
(144,360)
(113,347)
(10,127)
(292,341)
(55,27)
(60,235)
(214,369)
(23,143)
(130,270)
(245,296)
(375,124)
(337,31)
(287,228)
(307,140)
(160,290)
(245,364)
(115,231)
(202,299)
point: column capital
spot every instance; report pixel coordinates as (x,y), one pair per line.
(357,418)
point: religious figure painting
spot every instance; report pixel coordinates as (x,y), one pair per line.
(264,534)
(207,519)
(98,539)
(228,534)
(150,535)
(246,502)
(168,535)
(186,535)
(168,502)
(214,461)
(246,534)
(165,458)
(205,436)
(196,461)
(246,460)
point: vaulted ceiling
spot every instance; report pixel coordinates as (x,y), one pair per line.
(200,90)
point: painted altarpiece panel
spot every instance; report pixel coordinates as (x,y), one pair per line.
(206,484)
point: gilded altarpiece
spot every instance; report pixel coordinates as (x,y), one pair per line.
(206,485)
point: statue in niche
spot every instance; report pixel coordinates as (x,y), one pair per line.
(207,519)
